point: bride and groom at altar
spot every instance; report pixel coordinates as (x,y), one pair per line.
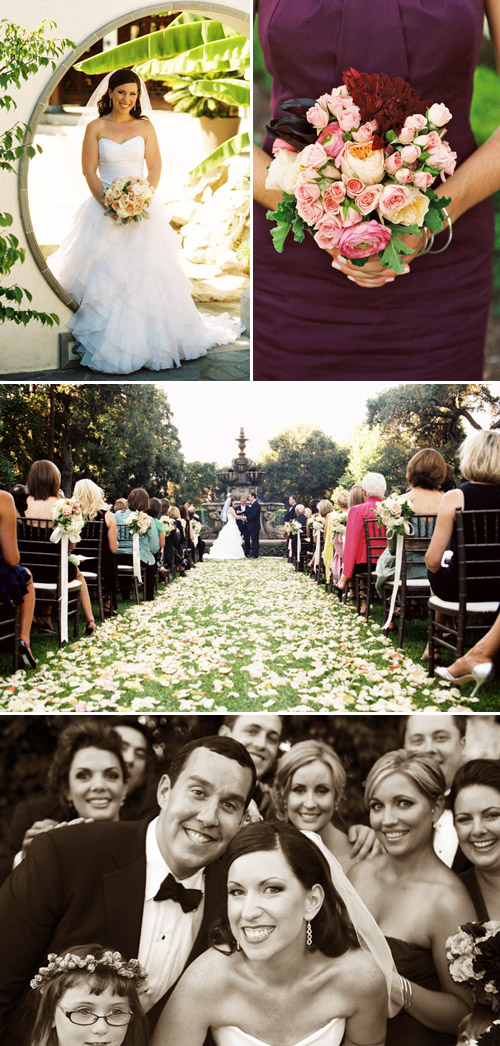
(240,522)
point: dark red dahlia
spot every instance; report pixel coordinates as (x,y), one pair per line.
(387,101)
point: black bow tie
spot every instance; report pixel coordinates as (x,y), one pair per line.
(171,890)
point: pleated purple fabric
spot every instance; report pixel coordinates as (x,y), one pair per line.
(310,322)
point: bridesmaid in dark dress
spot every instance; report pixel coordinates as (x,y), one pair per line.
(310,321)
(417,901)
(16,585)
(475,795)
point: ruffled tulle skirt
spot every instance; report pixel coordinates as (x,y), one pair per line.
(135,305)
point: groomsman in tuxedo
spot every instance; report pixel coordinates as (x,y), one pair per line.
(290,512)
(242,523)
(253,516)
(147,889)
(442,736)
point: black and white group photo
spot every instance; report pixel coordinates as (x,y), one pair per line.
(250,879)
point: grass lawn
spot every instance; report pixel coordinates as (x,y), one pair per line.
(232,637)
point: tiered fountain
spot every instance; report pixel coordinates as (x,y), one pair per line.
(241,477)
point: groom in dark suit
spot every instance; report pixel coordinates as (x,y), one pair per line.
(148,890)
(242,523)
(253,516)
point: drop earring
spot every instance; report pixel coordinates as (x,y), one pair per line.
(309,934)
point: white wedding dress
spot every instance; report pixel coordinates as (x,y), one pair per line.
(227,544)
(331,1035)
(135,304)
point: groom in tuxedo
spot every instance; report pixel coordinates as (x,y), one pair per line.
(147,889)
(253,516)
(242,524)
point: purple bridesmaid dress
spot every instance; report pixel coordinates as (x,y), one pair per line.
(310,321)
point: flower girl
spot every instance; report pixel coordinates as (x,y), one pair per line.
(88,992)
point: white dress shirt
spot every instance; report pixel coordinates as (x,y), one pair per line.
(167,933)
(446,838)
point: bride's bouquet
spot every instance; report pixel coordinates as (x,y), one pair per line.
(127,199)
(474,959)
(139,522)
(356,168)
(395,514)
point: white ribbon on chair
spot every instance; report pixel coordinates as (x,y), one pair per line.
(397,570)
(317,551)
(298,546)
(56,536)
(136,558)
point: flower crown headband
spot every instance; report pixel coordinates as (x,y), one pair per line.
(474,958)
(130,968)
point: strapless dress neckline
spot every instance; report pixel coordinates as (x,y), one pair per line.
(103,138)
(231,1035)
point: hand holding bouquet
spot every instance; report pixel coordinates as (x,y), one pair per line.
(356,168)
(127,200)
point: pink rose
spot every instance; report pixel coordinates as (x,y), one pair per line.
(417,122)
(450,166)
(440,155)
(422,179)
(368,199)
(364,240)
(313,156)
(393,163)
(438,114)
(365,132)
(350,118)
(332,139)
(327,230)
(318,116)
(433,139)
(410,153)
(280,144)
(406,135)
(309,204)
(392,199)
(404,176)
(352,218)
(330,201)
(353,187)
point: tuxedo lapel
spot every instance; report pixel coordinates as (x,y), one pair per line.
(124,891)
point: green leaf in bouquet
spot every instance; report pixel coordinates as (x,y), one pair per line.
(286,218)
(358,262)
(433,220)
(279,233)
(390,259)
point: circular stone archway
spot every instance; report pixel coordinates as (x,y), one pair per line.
(236,14)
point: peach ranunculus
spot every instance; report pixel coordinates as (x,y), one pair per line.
(408,208)
(362,161)
(332,139)
(364,240)
(367,200)
(438,114)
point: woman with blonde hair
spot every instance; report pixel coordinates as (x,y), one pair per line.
(309,786)
(416,900)
(94,507)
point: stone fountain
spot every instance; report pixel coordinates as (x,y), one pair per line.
(240,478)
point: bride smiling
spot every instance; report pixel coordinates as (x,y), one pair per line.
(135,304)
(287,968)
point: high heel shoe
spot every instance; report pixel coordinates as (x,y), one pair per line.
(26,656)
(480,673)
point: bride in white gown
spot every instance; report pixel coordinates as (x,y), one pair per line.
(295,962)
(135,305)
(228,543)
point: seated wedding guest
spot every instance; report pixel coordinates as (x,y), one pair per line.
(93,506)
(301,517)
(416,900)
(449,483)
(20,494)
(87,779)
(480,465)
(354,561)
(199,544)
(477,664)
(475,794)
(16,584)
(309,786)
(324,507)
(333,550)
(120,505)
(289,962)
(109,882)
(149,543)
(154,511)
(425,473)
(188,532)
(441,736)
(183,562)
(355,496)
(44,489)
(86,993)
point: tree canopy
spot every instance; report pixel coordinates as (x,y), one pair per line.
(303,461)
(433,414)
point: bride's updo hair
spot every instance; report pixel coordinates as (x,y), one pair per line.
(332,930)
(121,76)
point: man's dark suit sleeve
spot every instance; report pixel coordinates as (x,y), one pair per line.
(30,902)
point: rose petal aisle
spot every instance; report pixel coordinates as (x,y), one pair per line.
(232,636)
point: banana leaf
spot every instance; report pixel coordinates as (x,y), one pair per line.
(175,40)
(217,56)
(224,152)
(229,91)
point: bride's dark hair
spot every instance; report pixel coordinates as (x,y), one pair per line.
(121,76)
(332,930)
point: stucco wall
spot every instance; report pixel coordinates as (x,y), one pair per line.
(34,347)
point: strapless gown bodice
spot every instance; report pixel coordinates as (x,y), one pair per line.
(121,159)
(330,1035)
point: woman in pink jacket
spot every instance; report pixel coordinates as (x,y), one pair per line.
(355,557)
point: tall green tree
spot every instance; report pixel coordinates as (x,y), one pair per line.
(372,451)
(437,415)
(199,482)
(303,461)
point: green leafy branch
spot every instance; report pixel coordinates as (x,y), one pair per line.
(286,218)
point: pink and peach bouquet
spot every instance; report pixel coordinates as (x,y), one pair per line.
(356,168)
(127,199)
(69,520)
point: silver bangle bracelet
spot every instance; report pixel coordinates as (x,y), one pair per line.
(450,234)
(429,240)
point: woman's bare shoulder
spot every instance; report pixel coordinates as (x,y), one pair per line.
(358,966)
(210,972)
